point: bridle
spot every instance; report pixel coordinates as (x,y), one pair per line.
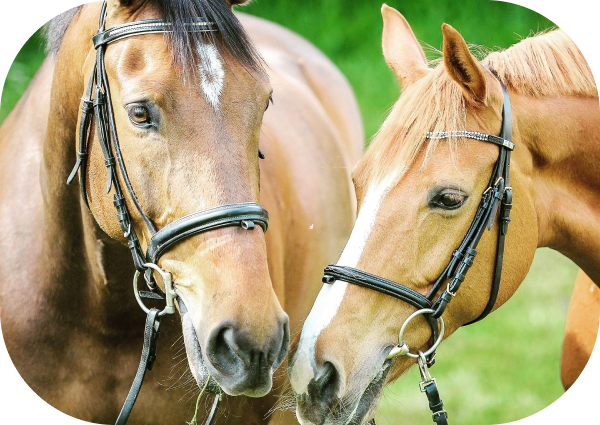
(497,196)
(247,215)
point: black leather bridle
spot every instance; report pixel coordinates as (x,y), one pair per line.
(98,101)
(496,198)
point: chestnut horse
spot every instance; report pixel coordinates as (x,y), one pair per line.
(417,197)
(189,140)
(581,330)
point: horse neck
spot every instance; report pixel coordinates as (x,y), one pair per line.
(88,271)
(562,136)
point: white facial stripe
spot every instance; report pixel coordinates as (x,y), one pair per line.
(365,221)
(211,74)
(331,295)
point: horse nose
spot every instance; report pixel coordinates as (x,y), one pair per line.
(323,392)
(243,365)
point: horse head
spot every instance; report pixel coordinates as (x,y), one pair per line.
(188,108)
(417,198)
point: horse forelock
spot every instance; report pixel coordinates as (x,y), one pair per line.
(186,47)
(433,103)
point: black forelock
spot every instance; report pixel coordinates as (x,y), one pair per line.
(230,37)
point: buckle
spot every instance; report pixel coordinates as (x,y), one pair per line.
(439,413)
(423,383)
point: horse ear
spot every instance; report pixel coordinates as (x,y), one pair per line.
(462,66)
(401,50)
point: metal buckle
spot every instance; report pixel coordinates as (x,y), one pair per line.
(170,294)
(402,348)
(424,370)
(449,291)
(128,232)
(441,412)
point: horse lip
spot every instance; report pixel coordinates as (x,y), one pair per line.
(371,393)
(363,407)
(194,355)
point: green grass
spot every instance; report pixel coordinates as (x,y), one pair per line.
(506,367)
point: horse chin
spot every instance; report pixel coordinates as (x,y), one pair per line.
(364,409)
(194,356)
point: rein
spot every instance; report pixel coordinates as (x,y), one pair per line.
(97,104)
(495,200)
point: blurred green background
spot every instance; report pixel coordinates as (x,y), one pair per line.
(506,367)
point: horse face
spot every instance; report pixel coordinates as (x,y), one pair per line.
(190,142)
(414,211)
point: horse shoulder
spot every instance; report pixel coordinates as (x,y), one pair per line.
(21,139)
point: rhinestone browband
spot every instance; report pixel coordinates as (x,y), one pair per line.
(437,135)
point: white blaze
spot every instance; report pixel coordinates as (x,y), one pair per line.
(331,295)
(212,74)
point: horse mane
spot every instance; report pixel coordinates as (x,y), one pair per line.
(55,30)
(546,64)
(230,37)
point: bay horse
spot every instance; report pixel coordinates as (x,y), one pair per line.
(419,185)
(189,111)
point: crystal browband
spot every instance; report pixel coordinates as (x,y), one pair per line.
(437,135)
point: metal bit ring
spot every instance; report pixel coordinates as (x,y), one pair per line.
(170,294)
(402,348)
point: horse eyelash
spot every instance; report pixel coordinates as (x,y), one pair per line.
(270,101)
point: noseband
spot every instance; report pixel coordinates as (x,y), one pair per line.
(98,103)
(496,198)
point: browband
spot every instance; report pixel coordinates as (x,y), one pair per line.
(484,137)
(149,26)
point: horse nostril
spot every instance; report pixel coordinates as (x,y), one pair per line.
(226,349)
(326,385)
(232,352)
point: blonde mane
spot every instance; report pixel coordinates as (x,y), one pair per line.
(544,65)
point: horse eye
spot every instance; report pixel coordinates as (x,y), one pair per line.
(139,115)
(269,101)
(450,199)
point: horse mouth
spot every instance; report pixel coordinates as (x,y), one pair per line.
(194,356)
(367,404)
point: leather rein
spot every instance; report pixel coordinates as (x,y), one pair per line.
(496,201)
(97,104)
